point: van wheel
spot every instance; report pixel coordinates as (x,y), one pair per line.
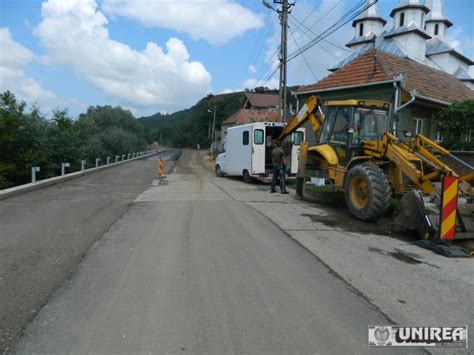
(247,178)
(219,172)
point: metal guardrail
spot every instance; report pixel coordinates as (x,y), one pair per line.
(39,184)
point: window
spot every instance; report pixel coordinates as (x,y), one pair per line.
(327,125)
(258,136)
(245,138)
(418,126)
(368,125)
(361,29)
(297,138)
(341,126)
(422,19)
(402,19)
(436,29)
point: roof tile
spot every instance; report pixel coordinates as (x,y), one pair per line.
(244,116)
(377,66)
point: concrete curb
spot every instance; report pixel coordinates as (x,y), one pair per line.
(21,189)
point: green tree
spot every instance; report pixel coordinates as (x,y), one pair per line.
(110,131)
(29,139)
(456,123)
(11,113)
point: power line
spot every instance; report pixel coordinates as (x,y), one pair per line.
(310,30)
(255,54)
(347,17)
(261,73)
(308,16)
(350,15)
(304,57)
(323,16)
(324,49)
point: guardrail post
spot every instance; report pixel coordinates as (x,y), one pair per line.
(63,168)
(34,170)
(108,160)
(116,158)
(97,160)
(123,157)
(83,165)
(128,156)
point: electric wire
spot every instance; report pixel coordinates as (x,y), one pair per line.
(304,57)
(347,17)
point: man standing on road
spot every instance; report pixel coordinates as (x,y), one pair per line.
(278,160)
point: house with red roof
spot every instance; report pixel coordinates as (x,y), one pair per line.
(411,66)
(256,108)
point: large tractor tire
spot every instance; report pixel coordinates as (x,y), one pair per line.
(367,192)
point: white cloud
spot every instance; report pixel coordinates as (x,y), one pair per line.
(75,33)
(216,21)
(252,69)
(13,61)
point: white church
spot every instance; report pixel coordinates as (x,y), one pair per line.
(418,32)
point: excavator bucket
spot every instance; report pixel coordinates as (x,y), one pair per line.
(424,215)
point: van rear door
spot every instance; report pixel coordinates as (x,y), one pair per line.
(296,138)
(258,150)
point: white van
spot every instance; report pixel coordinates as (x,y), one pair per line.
(247,151)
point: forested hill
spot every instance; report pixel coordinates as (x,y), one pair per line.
(190,127)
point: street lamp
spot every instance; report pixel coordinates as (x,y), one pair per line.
(267,4)
(213,121)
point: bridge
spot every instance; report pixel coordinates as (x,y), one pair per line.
(119,262)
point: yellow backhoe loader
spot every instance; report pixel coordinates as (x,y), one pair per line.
(357,150)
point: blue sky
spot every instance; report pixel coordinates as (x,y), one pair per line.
(164,55)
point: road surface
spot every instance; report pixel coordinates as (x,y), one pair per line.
(190,268)
(44,235)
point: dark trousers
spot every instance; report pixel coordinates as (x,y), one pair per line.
(278,173)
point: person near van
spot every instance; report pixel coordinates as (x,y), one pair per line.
(278,161)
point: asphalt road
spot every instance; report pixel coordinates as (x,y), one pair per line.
(44,235)
(190,269)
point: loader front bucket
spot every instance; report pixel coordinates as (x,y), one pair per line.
(414,214)
(422,214)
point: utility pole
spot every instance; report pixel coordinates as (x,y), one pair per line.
(283,55)
(283,15)
(214,123)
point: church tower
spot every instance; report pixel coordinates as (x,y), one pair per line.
(437,23)
(408,28)
(367,26)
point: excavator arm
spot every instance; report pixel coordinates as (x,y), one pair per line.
(412,159)
(307,112)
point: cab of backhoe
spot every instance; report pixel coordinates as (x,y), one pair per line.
(349,122)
